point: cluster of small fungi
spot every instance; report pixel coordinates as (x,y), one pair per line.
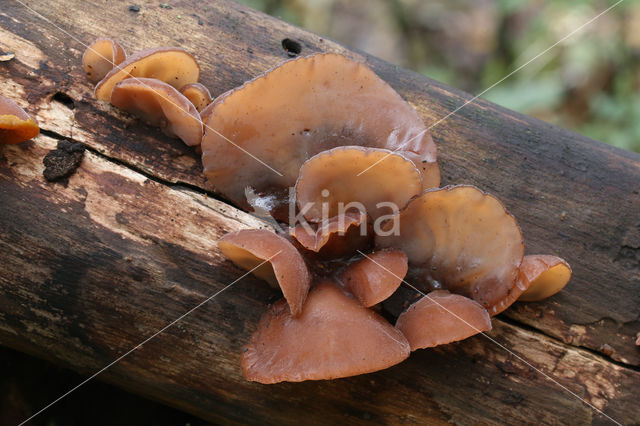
(339,135)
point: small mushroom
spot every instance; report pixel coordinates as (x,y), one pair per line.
(373,279)
(159,104)
(332,180)
(101,57)
(299,109)
(285,266)
(440,318)
(15,124)
(461,239)
(540,276)
(334,337)
(339,236)
(172,65)
(543,276)
(198,94)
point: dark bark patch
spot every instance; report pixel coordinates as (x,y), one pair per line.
(61,162)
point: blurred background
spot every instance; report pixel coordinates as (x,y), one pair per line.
(589,84)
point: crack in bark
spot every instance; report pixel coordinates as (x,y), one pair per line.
(599,355)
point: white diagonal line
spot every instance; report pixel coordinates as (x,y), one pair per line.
(139,345)
(148,87)
(494,341)
(494,84)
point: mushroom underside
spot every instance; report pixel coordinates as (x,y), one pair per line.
(159,104)
(278,262)
(376,181)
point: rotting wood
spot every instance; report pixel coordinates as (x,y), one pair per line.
(78,301)
(93,268)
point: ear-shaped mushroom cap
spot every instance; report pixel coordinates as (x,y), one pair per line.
(334,337)
(462,238)
(543,276)
(540,276)
(440,318)
(172,65)
(373,279)
(301,108)
(159,104)
(198,94)
(331,180)
(101,57)
(286,267)
(15,124)
(339,236)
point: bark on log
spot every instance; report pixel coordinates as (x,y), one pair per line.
(92,268)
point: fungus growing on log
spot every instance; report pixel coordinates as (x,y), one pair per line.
(440,318)
(159,104)
(539,276)
(299,109)
(463,239)
(285,266)
(332,180)
(373,279)
(358,154)
(197,94)
(101,57)
(339,236)
(543,275)
(173,65)
(15,124)
(334,337)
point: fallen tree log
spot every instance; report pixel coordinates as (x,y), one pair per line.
(91,269)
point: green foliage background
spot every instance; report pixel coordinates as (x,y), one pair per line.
(589,83)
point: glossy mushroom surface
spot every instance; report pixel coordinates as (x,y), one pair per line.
(101,57)
(299,109)
(15,124)
(440,318)
(375,277)
(333,180)
(540,276)
(462,239)
(334,337)
(197,94)
(173,65)
(285,267)
(159,104)
(339,236)
(543,276)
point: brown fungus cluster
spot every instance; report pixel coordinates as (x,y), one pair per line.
(302,108)
(356,153)
(158,85)
(354,186)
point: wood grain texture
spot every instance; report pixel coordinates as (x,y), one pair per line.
(91,269)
